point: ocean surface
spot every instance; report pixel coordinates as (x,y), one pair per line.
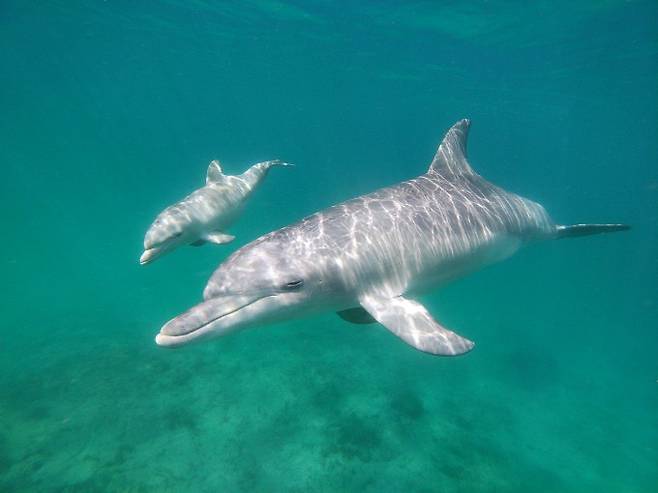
(110,111)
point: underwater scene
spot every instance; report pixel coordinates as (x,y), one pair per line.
(152,340)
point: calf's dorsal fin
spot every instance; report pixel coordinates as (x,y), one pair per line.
(215,173)
(450,157)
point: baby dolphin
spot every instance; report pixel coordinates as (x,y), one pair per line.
(204,215)
(370,257)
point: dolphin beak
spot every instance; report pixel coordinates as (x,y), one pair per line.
(211,318)
(150,255)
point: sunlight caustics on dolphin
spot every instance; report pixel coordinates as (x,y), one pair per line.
(367,258)
(204,215)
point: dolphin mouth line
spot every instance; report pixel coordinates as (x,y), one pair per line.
(225,315)
(168,339)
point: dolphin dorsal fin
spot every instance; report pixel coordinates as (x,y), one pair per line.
(215,173)
(450,157)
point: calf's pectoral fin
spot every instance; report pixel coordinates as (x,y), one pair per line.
(219,238)
(411,322)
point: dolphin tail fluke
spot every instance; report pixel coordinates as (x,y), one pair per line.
(254,175)
(573,230)
(275,162)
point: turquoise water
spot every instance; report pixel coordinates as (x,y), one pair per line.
(111,111)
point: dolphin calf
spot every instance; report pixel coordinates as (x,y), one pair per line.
(367,258)
(204,215)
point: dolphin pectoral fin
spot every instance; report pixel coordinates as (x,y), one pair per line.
(411,322)
(219,238)
(356,315)
(198,243)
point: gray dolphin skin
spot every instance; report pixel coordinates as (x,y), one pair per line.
(367,258)
(204,215)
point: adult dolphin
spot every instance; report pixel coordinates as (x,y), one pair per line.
(368,257)
(204,215)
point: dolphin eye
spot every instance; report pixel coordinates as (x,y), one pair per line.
(293,285)
(176,235)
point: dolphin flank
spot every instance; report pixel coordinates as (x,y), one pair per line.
(204,215)
(367,258)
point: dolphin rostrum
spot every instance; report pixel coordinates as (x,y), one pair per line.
(204,215)
(367,258)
